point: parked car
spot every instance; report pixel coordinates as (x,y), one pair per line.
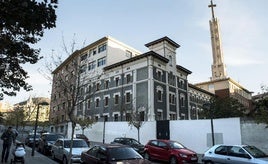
(46,141)
(242,154)
(82,136)
(29,140)
(136,145)
(112,154)
(61,149)
(169,151)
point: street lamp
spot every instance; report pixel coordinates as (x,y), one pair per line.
(207,106)
(35,125)
(103,133)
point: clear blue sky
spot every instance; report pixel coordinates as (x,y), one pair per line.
(243,25)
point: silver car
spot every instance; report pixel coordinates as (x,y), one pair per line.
(61,149)
(235,154)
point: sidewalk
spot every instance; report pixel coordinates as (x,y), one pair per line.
(36,159)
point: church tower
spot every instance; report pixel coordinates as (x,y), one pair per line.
(218,67)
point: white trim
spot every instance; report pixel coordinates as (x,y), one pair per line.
(117,93)
(128,73)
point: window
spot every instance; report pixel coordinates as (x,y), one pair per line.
(91,65)
(97,86)
(88,88)
(101,61)
(116,99)
(172,98)
(106,84)
(159,75)
(182,100)
(116,117)
(142,114)
(102,48)
(128,78)
(170,60)
(83,69)
(97,103)
(116,81)
(80,107)
(62,118)
(106,101)
(92,51)
(96,118)
(83,57)
(172,116)
(159,95)
(181,84)
(128,97)
(88,104)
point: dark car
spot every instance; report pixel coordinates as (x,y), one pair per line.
(29,140)
(136,145)
(169,151)
(82,136)
(112,154)
(242,154)
(46,141)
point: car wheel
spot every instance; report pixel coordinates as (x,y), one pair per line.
(147,156)
(64,160)
(173,160)
(209,162)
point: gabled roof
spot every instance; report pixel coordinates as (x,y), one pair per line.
(161,40)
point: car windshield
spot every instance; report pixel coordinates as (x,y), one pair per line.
(176,145)
(76,143)
(123,153)
(255,152)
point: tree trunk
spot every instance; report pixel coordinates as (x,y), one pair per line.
(71,144)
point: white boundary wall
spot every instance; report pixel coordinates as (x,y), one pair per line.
(194,134)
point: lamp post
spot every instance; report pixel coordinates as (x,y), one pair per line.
(207,106)
(35,125)
(103,133)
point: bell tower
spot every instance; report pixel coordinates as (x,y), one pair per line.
(218,67)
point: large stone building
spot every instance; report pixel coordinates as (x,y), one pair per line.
(116,80)
(220,84)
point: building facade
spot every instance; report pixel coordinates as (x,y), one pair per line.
(116,81)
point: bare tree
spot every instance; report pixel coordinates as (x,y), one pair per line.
(85,123)
(136,116)
(71,89)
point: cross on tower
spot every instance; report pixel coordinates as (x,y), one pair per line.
(212,5)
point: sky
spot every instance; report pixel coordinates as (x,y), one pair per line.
(243,28)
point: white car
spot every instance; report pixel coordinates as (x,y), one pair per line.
(234,154)
(61,149)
